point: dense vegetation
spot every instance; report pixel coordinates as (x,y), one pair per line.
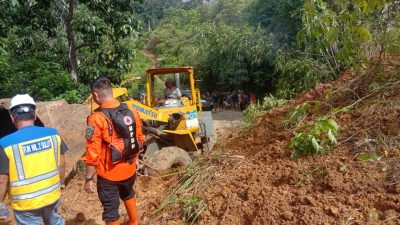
(53,49)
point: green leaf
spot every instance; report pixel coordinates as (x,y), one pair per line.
(369,158)
(363,33)
(332,123)
(332,138)
(364,157)
(295,154)
(315,144)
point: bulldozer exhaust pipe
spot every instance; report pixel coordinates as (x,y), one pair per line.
(177,80)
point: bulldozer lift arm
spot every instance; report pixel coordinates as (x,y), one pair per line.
(145,112)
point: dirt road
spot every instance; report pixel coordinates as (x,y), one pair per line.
(226,120)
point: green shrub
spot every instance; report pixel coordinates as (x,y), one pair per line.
(41,79)
(76,95)
(298,75)
(258,109)
(5,69)
(318,138)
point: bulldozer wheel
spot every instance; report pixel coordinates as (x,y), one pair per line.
(167,157)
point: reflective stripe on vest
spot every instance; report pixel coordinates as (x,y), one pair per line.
(37,193)
(18,162)
(34,179)
(29,188)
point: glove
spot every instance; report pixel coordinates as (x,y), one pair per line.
(4,213)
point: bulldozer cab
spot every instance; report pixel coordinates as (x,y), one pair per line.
(183,81)
(184,108)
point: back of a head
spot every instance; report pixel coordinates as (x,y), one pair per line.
(23,108)
(102,86)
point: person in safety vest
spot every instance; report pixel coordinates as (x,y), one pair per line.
(113,140)
(32,167)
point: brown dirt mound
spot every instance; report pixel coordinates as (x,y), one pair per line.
(70,121)
(270,188)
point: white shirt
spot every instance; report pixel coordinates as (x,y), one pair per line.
(172,93)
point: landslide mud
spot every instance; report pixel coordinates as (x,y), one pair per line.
(270,188)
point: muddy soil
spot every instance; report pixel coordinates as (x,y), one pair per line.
(338,188)
(80,208)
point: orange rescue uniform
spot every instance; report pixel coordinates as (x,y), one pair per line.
(97,146)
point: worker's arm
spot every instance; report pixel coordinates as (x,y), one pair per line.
(90,173)
(3,190)
(178,93)
(3,186)
(64,149)
(93,149)
(166,94)
(4,170)
(62,172)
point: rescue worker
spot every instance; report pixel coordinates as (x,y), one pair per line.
(170,91)
(115,179)
(32,167)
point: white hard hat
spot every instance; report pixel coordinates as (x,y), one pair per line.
(22,100)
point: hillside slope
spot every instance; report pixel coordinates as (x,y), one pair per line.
(357,183)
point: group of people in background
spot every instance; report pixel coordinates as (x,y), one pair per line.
(236,100)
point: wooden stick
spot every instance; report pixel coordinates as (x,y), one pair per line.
(227,209)
(146,164)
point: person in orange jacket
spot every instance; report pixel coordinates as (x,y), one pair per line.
(115,178)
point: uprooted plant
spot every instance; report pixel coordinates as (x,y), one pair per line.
(297,114)
(316,138)
(193,207)
(185,193)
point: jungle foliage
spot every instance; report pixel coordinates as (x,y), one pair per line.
(281,47)
(54,49)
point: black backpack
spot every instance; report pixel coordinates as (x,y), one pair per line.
(126,146)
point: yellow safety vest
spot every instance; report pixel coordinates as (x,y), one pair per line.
(34,173)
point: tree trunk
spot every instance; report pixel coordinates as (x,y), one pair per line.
(71,41)
(149,26)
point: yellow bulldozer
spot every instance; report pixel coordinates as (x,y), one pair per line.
(175,129)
